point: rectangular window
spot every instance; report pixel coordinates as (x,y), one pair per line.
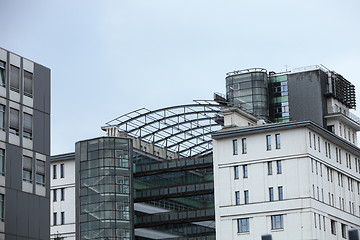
(235,147)
(277,222)
(62,218)
(2,117)
(54,218)
(245,171)
(268,142)
(279,167)
(246,196)
(333,227)
(40,172)
(2,73)
(310,139)
(2,161)
(314,141)
(28,83)
(244,147)
(2,207)
(343,230)
(243,225)
(28,126)
(236,172)
(54,171)
(319,144)
(326,151)
(14,121)
(271,194)
(27,169)
(315,225)
(269,164)
(237,197)
(14,78)
(329,149)
(62,191)
(280,192)
(62,171)
(54,195)
(277,141)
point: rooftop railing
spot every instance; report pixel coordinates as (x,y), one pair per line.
(337,110)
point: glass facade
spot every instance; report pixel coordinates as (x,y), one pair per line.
(105,199)
(249,90)
(278,98)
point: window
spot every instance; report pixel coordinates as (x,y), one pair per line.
(236,172)
(237,197)
(277,222)
(333,227)
(314,141)
(269,165)
(27,169)
(54,195)
(2,117)
(2,207)
(315,225)
(319,144)
(246,196)
(14,121)
(310,139)
(244,147)
(2,161)
(28,83)
(245,171)
(28,122)
(54,171)
(271,194)
(40,172)
(280,192)
(235,147)
(268,142)
(243,225)
(2,73)
(62,218)
(279,167)
(62,191)
(277,141)
(14,78)
(62,173)
(343,230)
(54,218)
(329,148)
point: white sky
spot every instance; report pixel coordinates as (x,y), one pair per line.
(110,57)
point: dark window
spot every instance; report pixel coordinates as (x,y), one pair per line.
(62,174)
(2,207)
(243,225)
(235,147)
(54,171)
(271,194)
(28,84)
(40,172)
(277,222)
(2,73)
(54,195)
(333,227)
(62,218)
(27,169)
(237,197)
(268,142)
(236,172)
(245,171)
(279,167)
(54,218)
(28,122)
(14,121)
(343,230)
(2,161)
(277,141)
(246,196)
(14,78)
(62,194)
(2,117)
(244,147)
(280,192)
(269,164)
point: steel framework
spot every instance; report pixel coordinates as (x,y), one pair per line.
(185,129)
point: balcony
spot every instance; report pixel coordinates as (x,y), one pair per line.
(345,116)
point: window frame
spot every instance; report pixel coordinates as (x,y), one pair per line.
(243,225)
(277,141)
(277,222)
(268,142)
(235,147)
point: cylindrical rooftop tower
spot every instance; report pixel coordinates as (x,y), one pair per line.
(248,89)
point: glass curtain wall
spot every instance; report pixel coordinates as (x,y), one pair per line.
(279,99)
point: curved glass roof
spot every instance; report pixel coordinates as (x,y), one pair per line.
(184,129)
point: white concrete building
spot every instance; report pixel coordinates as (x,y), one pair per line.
(62,199)
(298,179)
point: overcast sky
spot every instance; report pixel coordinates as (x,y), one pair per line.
(110,57)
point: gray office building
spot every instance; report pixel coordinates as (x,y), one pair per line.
(24,148)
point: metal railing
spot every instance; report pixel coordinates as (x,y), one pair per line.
(337,109)
(352,232)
